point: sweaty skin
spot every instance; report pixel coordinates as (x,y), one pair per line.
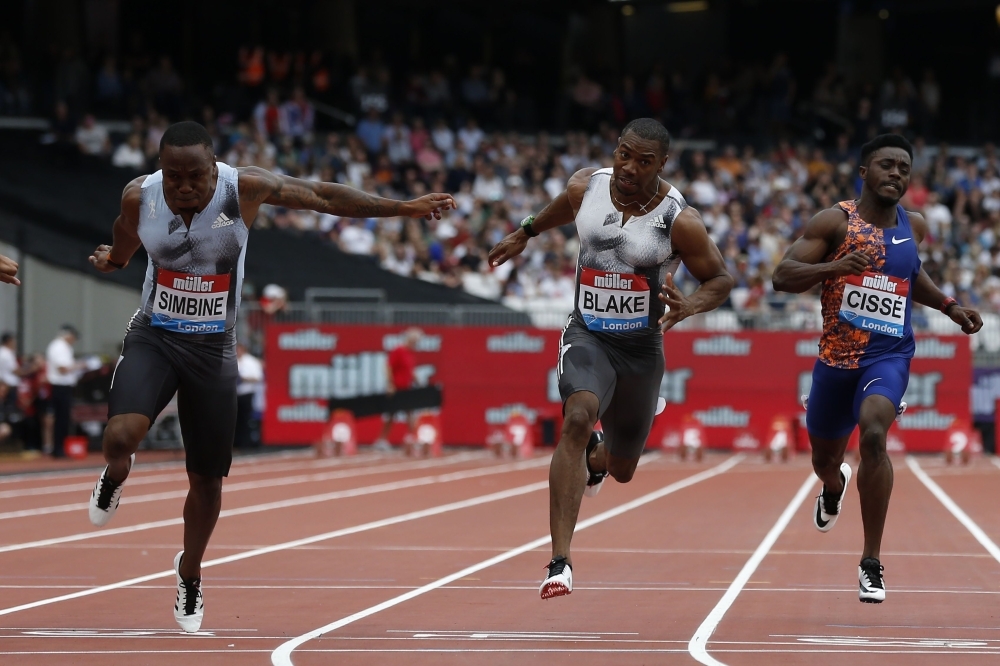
(885,180)
(190,176)
(635,184)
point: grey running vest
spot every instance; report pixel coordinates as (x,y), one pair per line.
(621,268)
(195,275)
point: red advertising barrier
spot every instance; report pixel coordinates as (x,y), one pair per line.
(733,384)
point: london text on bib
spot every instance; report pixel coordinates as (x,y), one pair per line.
(875,303)
(190,303)
(613,302)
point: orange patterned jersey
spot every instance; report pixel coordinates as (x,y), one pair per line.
(867,317)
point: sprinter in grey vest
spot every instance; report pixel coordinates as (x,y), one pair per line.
(192,217)
(635,229)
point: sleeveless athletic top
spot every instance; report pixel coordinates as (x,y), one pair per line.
(195,274)
(867,317)
(621,267)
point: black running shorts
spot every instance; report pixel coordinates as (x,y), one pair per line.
(202,370)
(624,372)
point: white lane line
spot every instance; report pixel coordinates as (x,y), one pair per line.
(283,655)
(239,461)
(955,510)
(141,479)
(255,485)
(385,522)
(283,504)
(698,645)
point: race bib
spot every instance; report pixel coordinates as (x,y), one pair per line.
(613,302)
(875,303)
(190,303)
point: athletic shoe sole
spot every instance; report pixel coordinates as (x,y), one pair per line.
(100,517)
(826,526)
(558,585)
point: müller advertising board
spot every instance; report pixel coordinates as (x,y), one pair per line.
(732,383)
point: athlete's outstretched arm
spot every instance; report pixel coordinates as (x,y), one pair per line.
(259,186)
(802,267)
(124,234)
(8,270)
(703,260)
(561,210)
(927,293)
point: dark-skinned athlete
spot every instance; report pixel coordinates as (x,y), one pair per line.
(193,218)
(8,271)
(635,228)
(864,253)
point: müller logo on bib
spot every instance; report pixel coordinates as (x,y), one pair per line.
(613,302)
(190,303)
(876,303)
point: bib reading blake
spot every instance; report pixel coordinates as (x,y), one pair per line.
(875,302)
(190,303)
(613,302)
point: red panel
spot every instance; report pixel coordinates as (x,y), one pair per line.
(731,382)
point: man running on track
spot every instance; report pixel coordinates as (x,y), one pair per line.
(634,228)
(193,219)
(865,254)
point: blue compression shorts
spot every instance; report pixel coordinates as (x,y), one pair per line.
(836,394)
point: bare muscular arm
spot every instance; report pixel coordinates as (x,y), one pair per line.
(561,210)
(125,232)
(927,293)
(259,186)
(702,258)
(803,267)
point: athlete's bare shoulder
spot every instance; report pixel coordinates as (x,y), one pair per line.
(131,198)
(578,184)
(829,224)
(919,225)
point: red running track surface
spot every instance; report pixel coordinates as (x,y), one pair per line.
(399,561)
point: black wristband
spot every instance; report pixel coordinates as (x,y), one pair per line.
(112,263)
(526,225)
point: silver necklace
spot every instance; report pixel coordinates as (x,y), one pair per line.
(641,206)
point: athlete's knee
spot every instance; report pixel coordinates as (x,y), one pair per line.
(123,434)
(622,471)
(824,460)
(579,420)
(872,444)
(209,487)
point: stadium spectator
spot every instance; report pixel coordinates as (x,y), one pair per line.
(129,155)
(92,138)
(63,372)
(251,378)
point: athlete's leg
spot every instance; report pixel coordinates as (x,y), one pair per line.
(201,513)
(122,437)
(830,420)
(875,472)
(568,471)
(827,456)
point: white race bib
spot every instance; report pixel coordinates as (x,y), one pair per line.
(190,303)
(613,302)
(876,303)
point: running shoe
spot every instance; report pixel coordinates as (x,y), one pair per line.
(828,505)
(189,608)
(871,584)
(595,479)
(104,500)
(559,580)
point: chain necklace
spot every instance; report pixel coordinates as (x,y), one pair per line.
(641,206)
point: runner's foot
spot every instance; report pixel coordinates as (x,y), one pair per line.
(828,504)
(189,608)
(559,580)
(871,584)
(596,479)
(104,500)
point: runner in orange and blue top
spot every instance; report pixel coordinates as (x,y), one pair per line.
(865,255)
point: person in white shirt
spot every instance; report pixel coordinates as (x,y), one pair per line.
(92,138)
(9,368)
(251,377)
(129,155)
(62,371)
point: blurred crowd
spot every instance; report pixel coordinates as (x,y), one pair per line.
(469,131)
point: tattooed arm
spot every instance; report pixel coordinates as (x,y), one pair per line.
(259,186)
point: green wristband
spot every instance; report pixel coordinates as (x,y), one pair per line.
(526,225)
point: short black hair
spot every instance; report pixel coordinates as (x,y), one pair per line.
(6,337)
(651,130)
(884,141)
(69,328)
(186,133)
